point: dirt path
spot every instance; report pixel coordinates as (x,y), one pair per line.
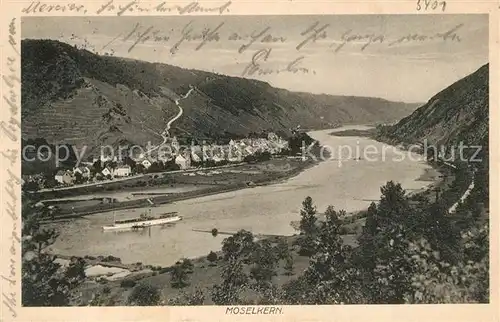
(165,134)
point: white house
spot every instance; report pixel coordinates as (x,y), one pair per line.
(64,177)
(184,161)
(122,171)
(146,163)
(195,157)
(106,171)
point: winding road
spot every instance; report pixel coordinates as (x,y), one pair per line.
(165,134)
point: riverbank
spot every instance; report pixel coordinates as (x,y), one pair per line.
(228,179)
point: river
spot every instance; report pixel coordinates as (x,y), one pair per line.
(347,184)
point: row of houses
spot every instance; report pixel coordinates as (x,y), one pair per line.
(235,151)
(70,176)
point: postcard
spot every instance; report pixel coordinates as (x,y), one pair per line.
(237,161)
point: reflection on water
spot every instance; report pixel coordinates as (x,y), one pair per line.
(146,231)
(262,210)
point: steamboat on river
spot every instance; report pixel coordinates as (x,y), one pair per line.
(143,221)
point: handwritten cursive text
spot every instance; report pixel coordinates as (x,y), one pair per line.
(261,56)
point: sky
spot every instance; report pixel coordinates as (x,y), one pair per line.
(397,57)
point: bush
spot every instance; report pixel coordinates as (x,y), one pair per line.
(212,258)
(145,295)
(111,259)
(197,298)
(187,265)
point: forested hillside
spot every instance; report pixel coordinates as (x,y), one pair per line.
(76,97)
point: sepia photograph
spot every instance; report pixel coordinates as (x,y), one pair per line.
(254,160)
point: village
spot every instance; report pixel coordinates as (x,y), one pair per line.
(170,156)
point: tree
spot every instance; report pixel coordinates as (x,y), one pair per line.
(297,291)
(111,164)
(233,282)
(101,298)
(75,273)
(392,274)
(41,283)
(264,263)
(394,206)
(44,282)
(41,239)
(78,178)
(187,265)
(127,160)
(298,141)
(31,186)
(215,232)
(155,167)
(281,249)
(289,265)
(197,298)
(308,228)
(97,167)
(171,166)
(145,295)
(212,258)
(366,252)
(139,168)
(179,275)
(437,281)
(271,295)
(50,182)
(330,273)
(385,242)
(238,246)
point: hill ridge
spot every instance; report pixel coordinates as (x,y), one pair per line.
(132,100)
(458,113)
